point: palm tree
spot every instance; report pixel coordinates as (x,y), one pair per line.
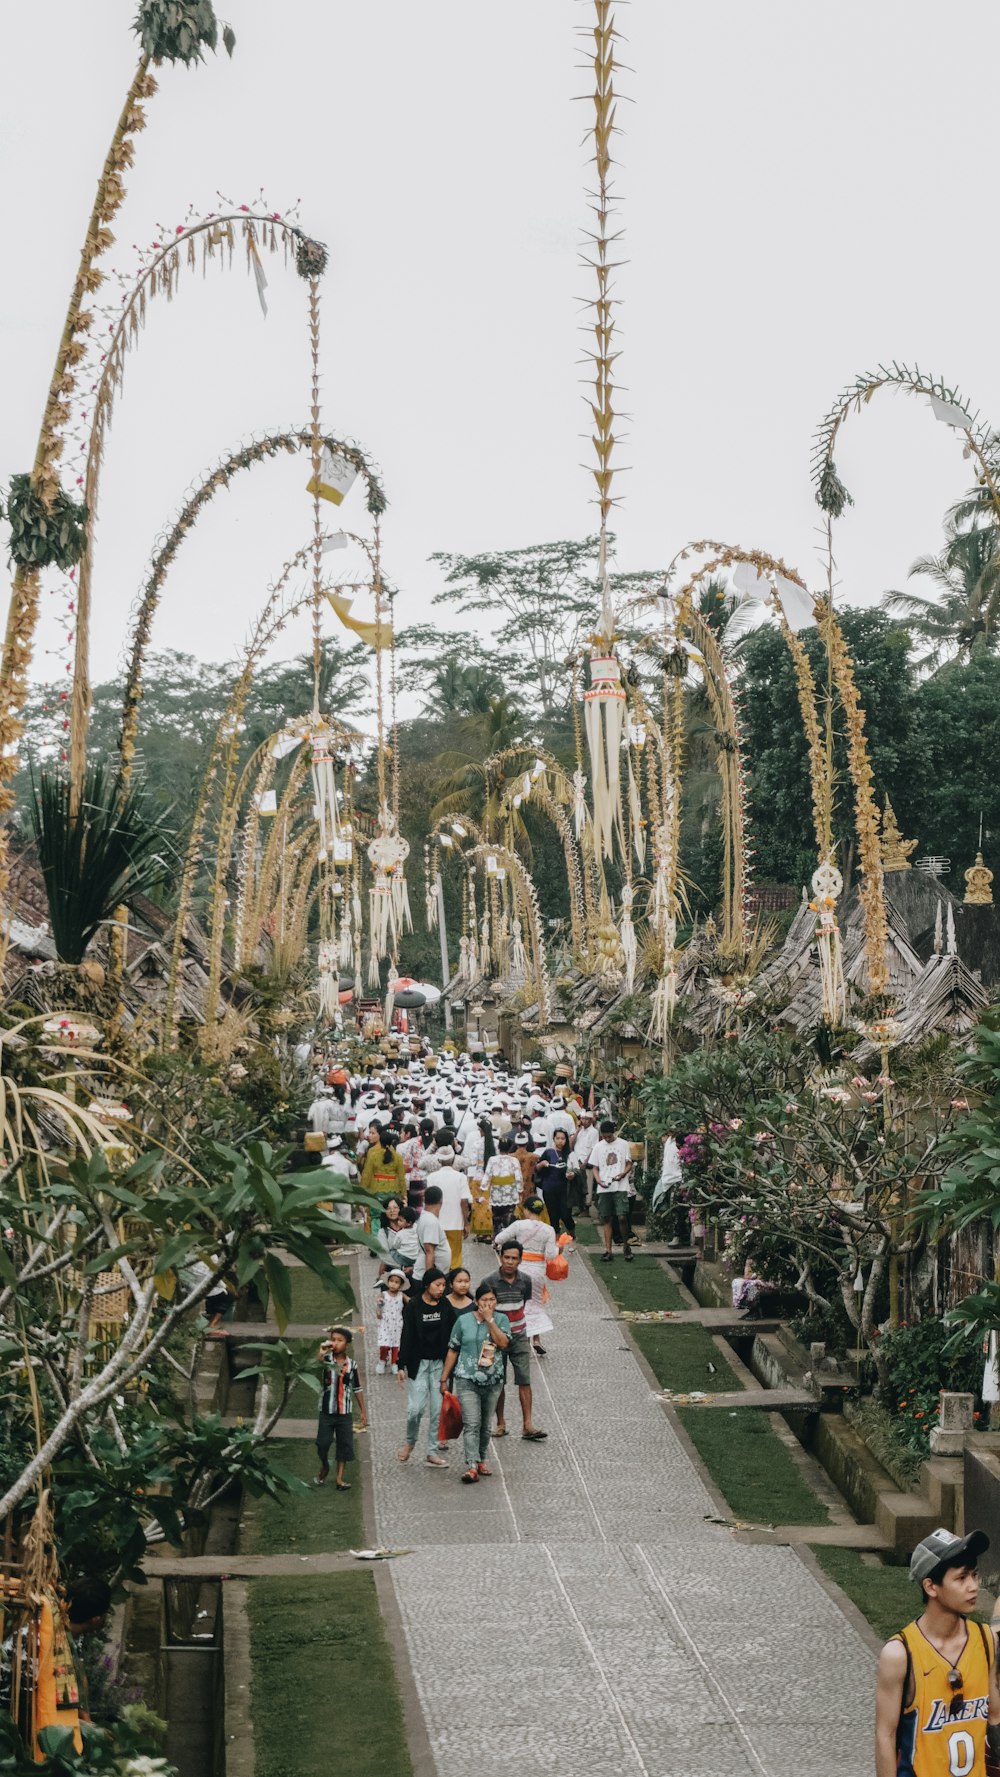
(966,613)
(461,688)
(467,787)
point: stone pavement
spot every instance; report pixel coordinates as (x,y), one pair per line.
(576,1614)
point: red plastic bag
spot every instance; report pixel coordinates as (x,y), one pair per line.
(450,1422)
(557,1268)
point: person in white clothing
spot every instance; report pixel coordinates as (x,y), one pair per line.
(559,1118)
(539,1245)
(612,1164)
(323,1119)
(583,1152)
(434,1250)
(456,1205)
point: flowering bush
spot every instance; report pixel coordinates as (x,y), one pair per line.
(917,1365)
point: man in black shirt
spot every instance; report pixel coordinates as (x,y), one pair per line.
(512,1290)
(422,1347)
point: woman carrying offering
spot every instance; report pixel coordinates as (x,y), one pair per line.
(540,1245)
(474,1356)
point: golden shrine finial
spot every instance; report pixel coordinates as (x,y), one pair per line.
(978,884)
(895,849)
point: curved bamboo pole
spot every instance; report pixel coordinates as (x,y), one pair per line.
(161,274)
(271,622)
(981,441)
(585,874)
(22,615)
(247,457)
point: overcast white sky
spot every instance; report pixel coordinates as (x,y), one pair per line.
(804,192)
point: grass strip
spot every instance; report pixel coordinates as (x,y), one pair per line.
(642,1284)
(683,1357)
(885,1595)
(324,1693)
(752,1468)
(321,1522)
(316,1304)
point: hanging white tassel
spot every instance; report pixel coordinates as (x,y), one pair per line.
(503,946)
(345,948)
(374,976)
(665,992)
(626,932)
(635,816)
(579,803)
(390,997)
(324,784)
(390,905)
(827,885)
(328,980)
(464,975)
(518,954)
(400,909)
(485,957)
(604,710)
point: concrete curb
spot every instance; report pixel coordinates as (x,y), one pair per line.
(238,1735)
(417,1739)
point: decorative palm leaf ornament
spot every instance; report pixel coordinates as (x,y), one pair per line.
(604,699)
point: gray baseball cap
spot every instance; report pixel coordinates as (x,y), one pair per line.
(944,1545)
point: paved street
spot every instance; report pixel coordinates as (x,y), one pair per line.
(575,1614)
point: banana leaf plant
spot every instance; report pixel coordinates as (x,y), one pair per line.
(96,856)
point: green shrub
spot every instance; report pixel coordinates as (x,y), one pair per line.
(918,1367)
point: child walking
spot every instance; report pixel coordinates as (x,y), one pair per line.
(389,1310)
(341,1383)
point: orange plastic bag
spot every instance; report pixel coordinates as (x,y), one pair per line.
(450,1422)
(557,1269)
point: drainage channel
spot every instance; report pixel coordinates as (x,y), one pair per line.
(191,1655)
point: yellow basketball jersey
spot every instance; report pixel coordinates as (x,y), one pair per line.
(938,1737)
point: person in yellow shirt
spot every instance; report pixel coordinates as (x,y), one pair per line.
(937,1702)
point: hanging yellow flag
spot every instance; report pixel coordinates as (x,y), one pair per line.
(377,635)
(336,477)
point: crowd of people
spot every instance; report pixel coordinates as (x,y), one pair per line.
(458,1148)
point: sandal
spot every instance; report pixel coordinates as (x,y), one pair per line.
(540,1349)
(483,1468)
(499,1431)
(471,1475)
(406,1453)
(533,1437)
(343,1486)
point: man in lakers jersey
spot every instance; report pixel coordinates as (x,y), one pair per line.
(937,1704)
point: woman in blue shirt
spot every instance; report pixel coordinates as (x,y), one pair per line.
(475,1358)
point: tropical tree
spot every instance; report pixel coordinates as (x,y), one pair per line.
(467,787)
(161,1235)
(963,614)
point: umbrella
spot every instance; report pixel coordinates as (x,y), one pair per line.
(406,984)
(431,993)
(407,999)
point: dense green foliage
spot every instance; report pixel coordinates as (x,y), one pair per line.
(932,742)
(179,30)
(43,536)
(95,857)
